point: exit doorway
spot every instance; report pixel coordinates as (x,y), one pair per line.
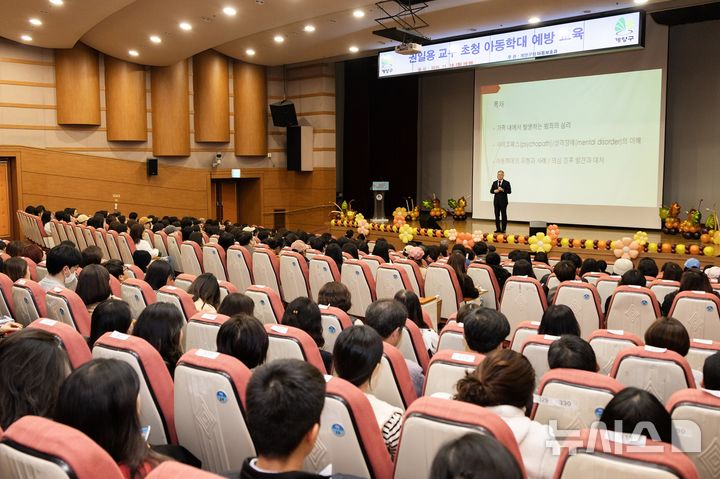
(237,200)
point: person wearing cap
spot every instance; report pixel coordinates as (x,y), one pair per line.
(692,263)
(299,247)
(692,280)
(145,222)
(416,254)
(622,266)
(82,219)
(713,273)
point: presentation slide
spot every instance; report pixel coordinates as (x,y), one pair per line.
(582,150)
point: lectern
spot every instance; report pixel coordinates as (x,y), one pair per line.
(379,188)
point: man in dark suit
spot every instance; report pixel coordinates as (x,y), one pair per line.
(500,188)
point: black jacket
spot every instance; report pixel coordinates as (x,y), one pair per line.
(501,197)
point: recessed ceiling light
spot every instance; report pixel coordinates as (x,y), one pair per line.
(185,26)
(279,38)
(56,2)
(133,53)
(35,21)
(640,2)
(358,13)
(26,38)
(250,52)
(155,39)
(230,11)
(354,49)
(309,28)
(534,20)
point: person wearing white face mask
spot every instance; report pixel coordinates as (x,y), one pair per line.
(62,263)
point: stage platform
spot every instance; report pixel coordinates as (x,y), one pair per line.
(582,233)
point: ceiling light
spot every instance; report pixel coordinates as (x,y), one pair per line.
(640,2)
(185,26)
(358,13)
(279,38)
(56,2)
(354,49)
(133,53)
(35,21)
(155,39)
(26,38)
(534,20)
(309,28)
(250,52)
(230,11)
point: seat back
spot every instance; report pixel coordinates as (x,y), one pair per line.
(334,321)
(70,233)
(447,368)
(393,383)
(80,237)
(266,269)
(584,301)
(192,258)
(138,294)
(184,281)
(149,236)
(7,307)
(41,270)
(35,447)
(570,399)
(72,342)
(65,305)
(358,278)
(287,342)
(412,345)
(182,300)
(414,274)
(432,422)
(55,232)
(535,349)
(161,243)
(441,280)
(699,312)
(373,261)
(593,278)
(700,350)
(133,271)
(226,288)
(202,330)
(452,337)
(214,260)
(389,279)
(633,309)
(608,454)
(173,249)
(268,306)
(239,267)
(663,287)
(607,344)
(701,409)
(156,385)
(100,236)
(484,277)
(294,276)
(210,410)
(111,239)
(541,269)
(523,299)
(522,332)
(656,370)
(605,286)
(32,268)
(321,270)
(29,301)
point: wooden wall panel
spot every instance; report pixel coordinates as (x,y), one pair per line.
(77,78)
(5,200)
(211,97)
(170,110)
(250,109)
(125,100)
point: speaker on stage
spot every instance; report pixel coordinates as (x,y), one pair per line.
(427,221)
(283,113)
(537,227)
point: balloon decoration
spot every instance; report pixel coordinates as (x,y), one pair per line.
(465,239)
(641,238)
(477,236)
(451,234)
(399,220)
(406,233)
(540,242)
(626,248)
(553,232)
(362,227)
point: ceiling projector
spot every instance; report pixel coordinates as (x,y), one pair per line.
(408,48)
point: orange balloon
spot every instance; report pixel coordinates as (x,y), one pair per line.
(694,249)
(500,238)
(521,239)
(576,243)
(666,248)
(602,244)
(705,239)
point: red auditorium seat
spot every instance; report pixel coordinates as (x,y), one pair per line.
(334,321)
(699,350)
(696,416)
(184,281)
(699,312)
(584,301)
(214,260)
(522,332)
(358,278)
(440,280)
(133,271)
(373,261)
(412,345)
(663,287)
(202,330)
(287,342)
(535,349)
(484,277)
(393,383)
(414,274)
(65,305)
(294,276)
(32,268)
(138,294)
(266,269)
(322,270)
(452,337)
(447,368)
(239,267)
(173,248)
(72,342)
(192,258)
(633,309)
(29,301)
(607,344)
(268,306)
(389,279)
(182,300)
(6,296)
(523,299)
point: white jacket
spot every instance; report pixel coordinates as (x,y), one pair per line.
(532,438)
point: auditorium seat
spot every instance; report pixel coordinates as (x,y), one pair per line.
(334,321)
(41,270)
(349,436)
(138,294)
(55,232)
(607,344)
(70,233)
(287,342)
(161,242)
(414,274)
(571,399)
(29,301)
(484,277)
(508,265)
(412,345)
(441,280)
(452,337)
(696,418)
(392,383)
(192,258)
(294,276)
(522,332)
(699,312)
(432,422)
(593,277)
(447,368)
(173,248)
(112,238)
(133,271)
(184,281)
(541,269)
(268,306)
(210,414)
(156,384)
(202,330)
(535,349)
(699,351)
(605,286)
(214,260)
(633,309)
(174,470)
(584,301)
(600,453)
(311,253)
(663,287)
(322,270)
(389,279)
(373,261)
(80,237)
(35,447)
(523,299)
(32,268)
(266,269)
(176,296)
(226,288)
(656,370)
(148,236)
(7,307)
(239,267)
(65,305)
(101,242)
(358,278)
(71,341)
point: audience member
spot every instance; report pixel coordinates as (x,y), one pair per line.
(622,266)
(564,271)
(465,311)
(226,240)
(557,320)
(141,259)
(333,251)
(33,252)
(480,249)
(161,325)
(572,352)
(244,338)
(631,277)
(457,263)
(108,316)
(61,263)
(501,274)
(205,292)
(335,294)
(93,286)
(382,249)
(159,274)
(351,249)
(523,267)
(14,248)
(485,330)
(589,265)
(236,303)
(303,313)
(691,280)
(17,268)
(141,244)
(634,411)
(648,267)
(474,456)
(116,268)
(91,255)
(668,333)
(711,373)
(415,314)
(542,257)
(671,271)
